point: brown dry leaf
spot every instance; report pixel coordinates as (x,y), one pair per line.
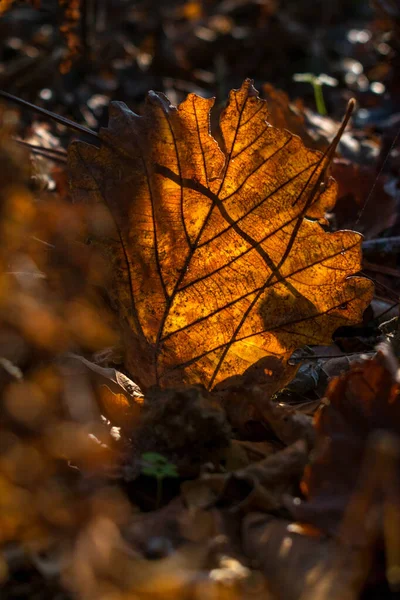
(354,207)
(250,412)
(120,399)
(144,563)
(316,130)
(328,568)
(302,567)
(291,115)
(360,402)
(119,409)
(217,262)
(259,486)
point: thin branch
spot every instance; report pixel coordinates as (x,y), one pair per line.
(49,153)
(57,151)
(51,115)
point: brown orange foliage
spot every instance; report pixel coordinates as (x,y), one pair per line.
(47,307)
(219,259)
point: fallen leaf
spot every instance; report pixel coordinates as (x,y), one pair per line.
(242,453)
(160,532)
(316,130)
(303,567)
(291,115)
(259,486)
(120,399)
(323,567)
(121,411)
(360,402)
(246,407)
(155,559)
(355,207)
(218,259)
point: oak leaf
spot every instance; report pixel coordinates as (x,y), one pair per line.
(219,259)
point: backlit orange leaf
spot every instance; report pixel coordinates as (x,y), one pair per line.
(218,256)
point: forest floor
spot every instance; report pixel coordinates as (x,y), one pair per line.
(147,450)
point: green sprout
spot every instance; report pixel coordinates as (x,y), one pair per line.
(157,466)
(317,81)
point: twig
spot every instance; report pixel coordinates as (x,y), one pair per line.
(49,153)
(58,151)
(50,115)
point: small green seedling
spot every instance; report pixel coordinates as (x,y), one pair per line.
(157,466)
(317,81)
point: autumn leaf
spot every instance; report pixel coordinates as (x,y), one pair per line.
(120,400)
(219,260)
(354,205)
(257,487)
(359,403)
(299,566)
